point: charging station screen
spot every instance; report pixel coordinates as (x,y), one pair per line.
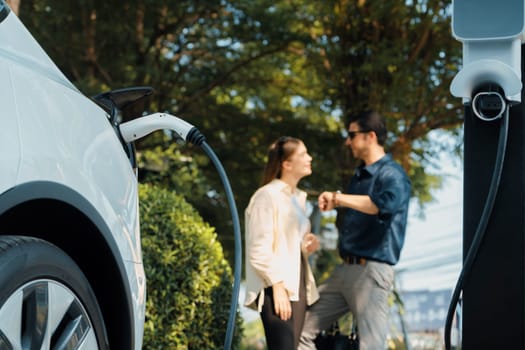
(487,19)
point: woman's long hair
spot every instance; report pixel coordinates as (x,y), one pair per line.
(279,151)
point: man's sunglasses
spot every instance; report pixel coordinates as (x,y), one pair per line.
(352,134)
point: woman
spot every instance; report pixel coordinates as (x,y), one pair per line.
(279,282)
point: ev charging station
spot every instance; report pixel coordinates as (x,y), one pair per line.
(491,286)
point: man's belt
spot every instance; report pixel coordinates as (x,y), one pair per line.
(354,260)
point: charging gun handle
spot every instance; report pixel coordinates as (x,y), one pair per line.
(140,127)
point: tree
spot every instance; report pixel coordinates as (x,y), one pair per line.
(245,72)
(14,5)
(397,57)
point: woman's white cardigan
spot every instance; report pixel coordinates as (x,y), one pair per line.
(273,244)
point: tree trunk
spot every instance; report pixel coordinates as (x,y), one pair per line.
(14,5)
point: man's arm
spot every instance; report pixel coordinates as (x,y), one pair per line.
(362,203)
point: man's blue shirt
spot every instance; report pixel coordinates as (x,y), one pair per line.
(377,237)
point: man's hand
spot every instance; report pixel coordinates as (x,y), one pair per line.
(325,201)
(281,301)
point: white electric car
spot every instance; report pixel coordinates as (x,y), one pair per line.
(71,273)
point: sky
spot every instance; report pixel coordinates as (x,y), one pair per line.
(432,256)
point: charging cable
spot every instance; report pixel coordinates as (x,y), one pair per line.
(482,225)
(140,127)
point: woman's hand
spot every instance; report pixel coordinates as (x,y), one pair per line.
(310,243)
(281,301)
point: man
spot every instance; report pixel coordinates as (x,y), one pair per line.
(370,239)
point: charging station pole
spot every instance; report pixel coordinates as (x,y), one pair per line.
(493,308)
(493,299)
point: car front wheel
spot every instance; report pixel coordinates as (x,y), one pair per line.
(45,300)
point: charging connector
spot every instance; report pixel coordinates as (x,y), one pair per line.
(488,105)
(140,127)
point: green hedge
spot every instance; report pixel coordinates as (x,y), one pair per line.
(189,283)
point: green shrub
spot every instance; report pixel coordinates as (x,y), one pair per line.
(189,281)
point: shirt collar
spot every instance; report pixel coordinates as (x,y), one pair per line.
(284,187)
(374,167)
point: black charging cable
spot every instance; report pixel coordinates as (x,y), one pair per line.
(482,225)
(196,137)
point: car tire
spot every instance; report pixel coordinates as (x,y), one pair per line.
(46,302)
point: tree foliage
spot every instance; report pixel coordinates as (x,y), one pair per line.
(247,71)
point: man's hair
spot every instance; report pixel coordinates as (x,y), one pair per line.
(370,121)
